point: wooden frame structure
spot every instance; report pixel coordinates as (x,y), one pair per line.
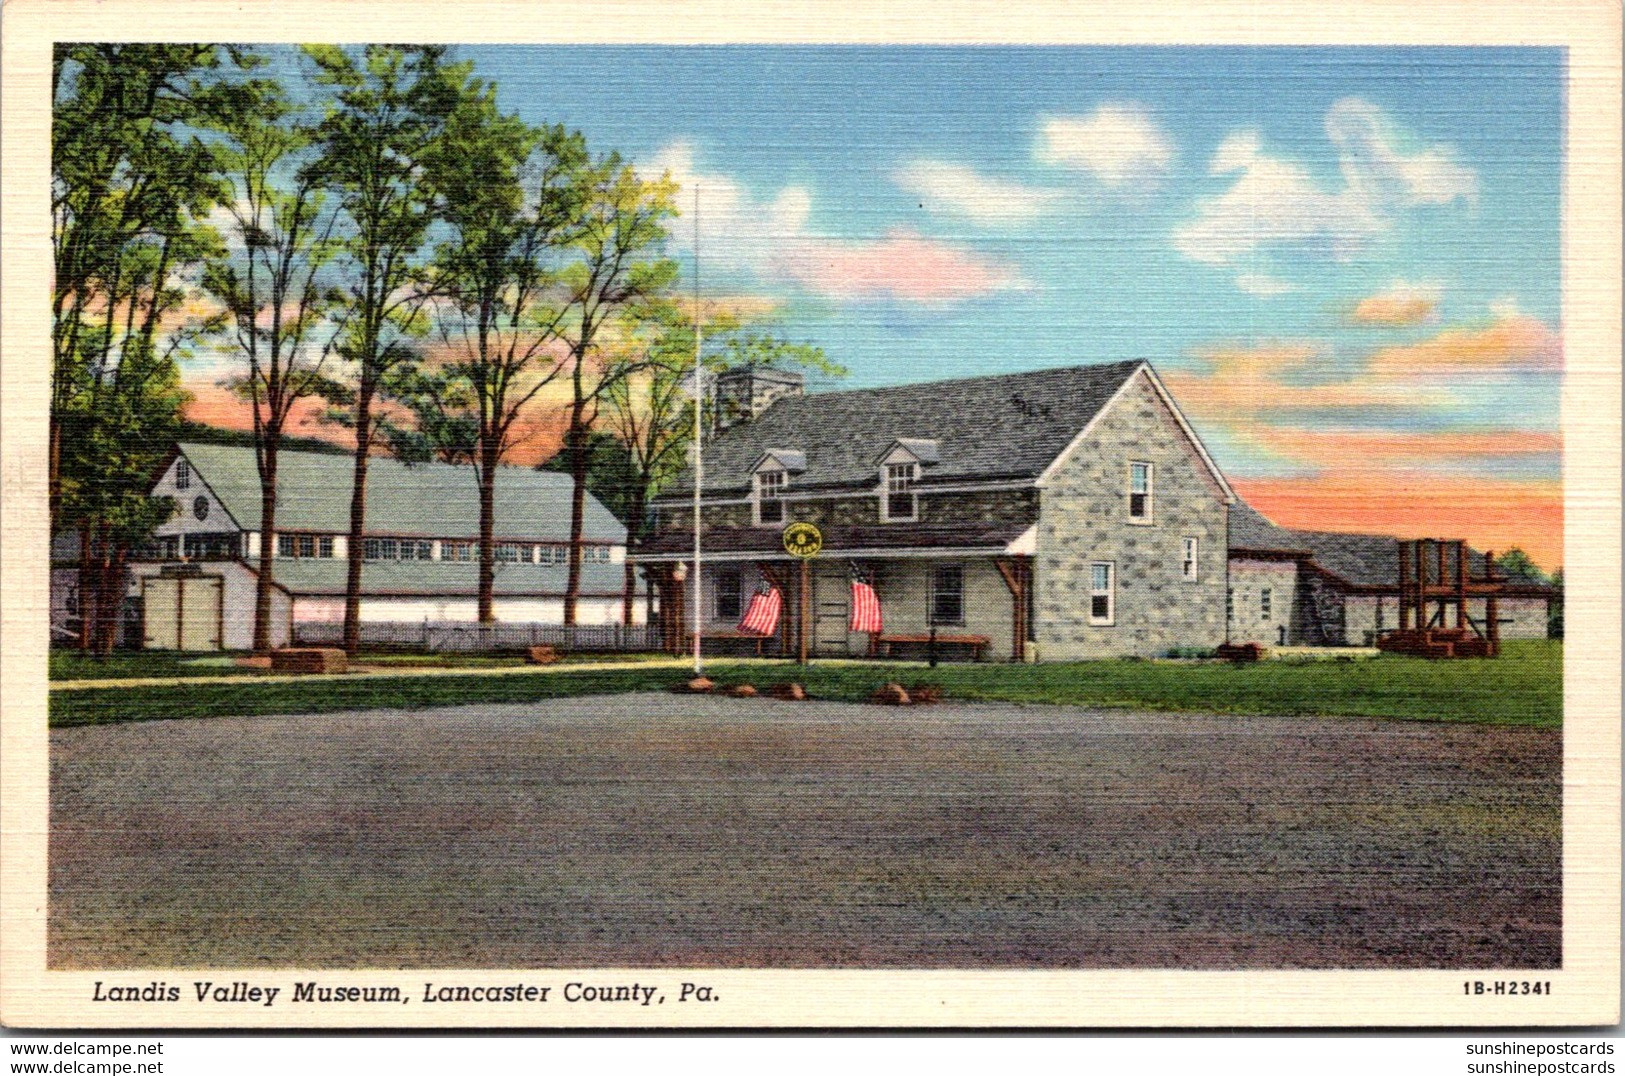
(1436,580)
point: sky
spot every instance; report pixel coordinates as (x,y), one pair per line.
(1345,263)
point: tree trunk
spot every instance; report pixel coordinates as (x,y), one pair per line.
(262,585)
(87,588)
(575,440)
(488,527)
(634,538)
(112,590)
(356,554)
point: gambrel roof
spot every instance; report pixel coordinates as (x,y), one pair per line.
(1006,426)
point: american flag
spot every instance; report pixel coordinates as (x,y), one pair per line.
(865,604)
(762,616)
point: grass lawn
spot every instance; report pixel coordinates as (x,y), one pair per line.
(1523,687)
(154,664)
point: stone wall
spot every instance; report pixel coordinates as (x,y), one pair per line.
(1251,621)
(1084,518)
(998,506)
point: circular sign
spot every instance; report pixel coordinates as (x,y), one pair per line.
(802,540)
(200,508)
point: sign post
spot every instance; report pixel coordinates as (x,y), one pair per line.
(803,541)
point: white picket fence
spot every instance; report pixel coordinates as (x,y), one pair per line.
(465,636)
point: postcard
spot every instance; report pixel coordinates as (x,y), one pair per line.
(623,516)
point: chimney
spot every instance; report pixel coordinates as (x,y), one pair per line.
(745,392)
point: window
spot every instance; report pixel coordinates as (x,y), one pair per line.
(769,493)
(947,594)
(729,593)
(900,502)
(307,545)
(1229,603)
(508,552)
(1188,559)
(460,551)
(284,545)
(324,546)
(1102,593)
(1139,492)
(1266,603)
(183,474)
(387,548)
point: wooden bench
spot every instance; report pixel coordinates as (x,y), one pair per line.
(976,643)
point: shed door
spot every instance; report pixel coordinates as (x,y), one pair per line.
(160,611)
(200,613)
(181,613)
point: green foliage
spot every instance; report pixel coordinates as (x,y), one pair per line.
(1517,565)
(612,476)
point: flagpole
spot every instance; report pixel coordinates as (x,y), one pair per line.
(699,468)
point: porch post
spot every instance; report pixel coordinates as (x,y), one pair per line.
(802,589)
(1015,580)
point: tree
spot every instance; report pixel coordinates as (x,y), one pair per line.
(132,177)
(490,276)
(269,281)
(388,107)
(1518,564)
(610,283)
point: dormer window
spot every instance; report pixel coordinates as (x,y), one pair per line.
(899,501)
(770,487)
(1139,492)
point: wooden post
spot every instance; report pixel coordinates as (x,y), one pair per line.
(1461,585)
(802,596)
(1015,582)
(1421,584)
(1404,586)
(1492,608)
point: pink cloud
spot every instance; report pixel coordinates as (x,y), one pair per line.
(904,265)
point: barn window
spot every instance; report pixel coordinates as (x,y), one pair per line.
(1188,558)
(1139,492)
(284,545)
(324,546)
(1266,603)
(1102,593)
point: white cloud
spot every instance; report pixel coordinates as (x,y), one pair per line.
(1119,144)
(1379,171)
(954,188)
(1276,203)
(1273,202)
(771,238)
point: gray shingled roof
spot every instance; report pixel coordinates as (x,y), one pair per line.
(430,500)
(444,579)
(1003,426)
(1361,559)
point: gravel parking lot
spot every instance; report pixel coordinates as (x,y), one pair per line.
(658,830)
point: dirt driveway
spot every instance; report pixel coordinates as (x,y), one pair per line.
(644,830)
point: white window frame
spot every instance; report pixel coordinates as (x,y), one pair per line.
(898,478)
(1146,518)
(1266,603)
(1109,592)
(1190,553)
(183,474)
(781,483)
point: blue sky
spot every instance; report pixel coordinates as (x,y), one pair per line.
(1346,262)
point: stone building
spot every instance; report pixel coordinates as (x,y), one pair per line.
(1059,514)
(1329,588)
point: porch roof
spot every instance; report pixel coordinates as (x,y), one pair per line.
(767,543)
